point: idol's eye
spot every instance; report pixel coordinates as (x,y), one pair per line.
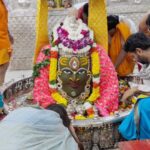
(67,71)
(82,71)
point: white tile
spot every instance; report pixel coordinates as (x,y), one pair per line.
(12,76)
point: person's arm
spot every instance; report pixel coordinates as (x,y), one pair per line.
(129,93)
(141,89)
(145,93)
(10,37)
(73,133)
(148,94)
(120,58)
(121,55)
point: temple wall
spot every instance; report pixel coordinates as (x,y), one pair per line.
(22,24)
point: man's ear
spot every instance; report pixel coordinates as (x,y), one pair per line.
(148,31)
(139,51)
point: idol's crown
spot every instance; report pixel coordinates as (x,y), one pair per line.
(73,37)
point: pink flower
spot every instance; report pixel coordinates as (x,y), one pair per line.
(74,44)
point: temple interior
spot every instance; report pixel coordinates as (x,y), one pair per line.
(60,57)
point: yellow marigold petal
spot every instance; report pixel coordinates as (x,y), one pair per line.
(95,94)
(95,63)
(59,99)
(91,116)
(80,117)
(53,69)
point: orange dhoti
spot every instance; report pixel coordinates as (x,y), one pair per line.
(4,42)
(122,33)
(4,35)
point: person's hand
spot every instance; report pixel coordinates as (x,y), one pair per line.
(129,93)
(80,145)
(73,133)
(11,39)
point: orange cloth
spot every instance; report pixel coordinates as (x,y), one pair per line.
(122,33)
(4,36)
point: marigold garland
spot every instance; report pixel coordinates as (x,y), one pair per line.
(53,76)
(59,99)
(95,61)
(53,62)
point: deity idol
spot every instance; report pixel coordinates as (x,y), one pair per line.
(76,72)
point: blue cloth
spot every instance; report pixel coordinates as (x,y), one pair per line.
(128,127)
(35,129)
(1,101)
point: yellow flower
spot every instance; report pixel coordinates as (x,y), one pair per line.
(142,96)
(95,95)
(91,116)
(53,69)
(59,99)
(95,63)
(80,117)
(134,99)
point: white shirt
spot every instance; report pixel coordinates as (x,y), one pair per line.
(144,74)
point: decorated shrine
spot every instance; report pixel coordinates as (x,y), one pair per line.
(72,68)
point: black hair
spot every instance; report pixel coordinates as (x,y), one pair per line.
(148,20)
(137,40)
(62,112)
(112,21)
(86,9)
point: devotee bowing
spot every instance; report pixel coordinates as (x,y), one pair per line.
(35,128)
(119,29)
(136,124)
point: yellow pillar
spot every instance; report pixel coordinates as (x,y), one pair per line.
(97,21)
(41,26)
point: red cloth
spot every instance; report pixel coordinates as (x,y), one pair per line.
(135,145)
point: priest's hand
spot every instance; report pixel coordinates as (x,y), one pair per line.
(129,93)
